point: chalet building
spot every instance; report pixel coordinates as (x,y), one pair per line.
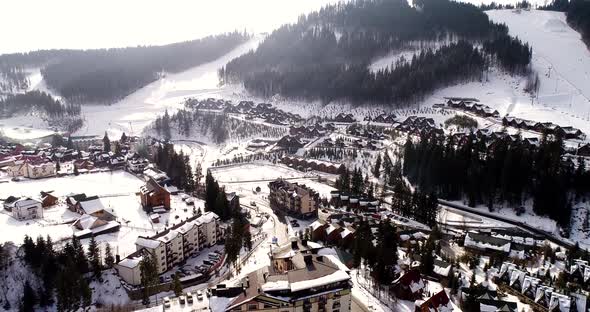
(443,270)
(32,167)
(440,302)
(24,208)
(309,283)
(384,118)
(92,206)
(290,143)
(486,243)
(353,202)
(408,286)
(154,195)
(89,225)
(566,132)
(83,165)
(293,199)
(498,305)
(304,164)
(137,164)
(172,246)
(318,230)
(48,199)
(344,118)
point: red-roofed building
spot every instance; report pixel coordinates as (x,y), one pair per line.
(438,303)
(409,286)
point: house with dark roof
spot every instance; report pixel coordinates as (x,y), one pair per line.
(409,286)
(153,195)
(440,302)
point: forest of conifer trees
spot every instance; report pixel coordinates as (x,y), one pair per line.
(106,75)
(496,173)
(325,55)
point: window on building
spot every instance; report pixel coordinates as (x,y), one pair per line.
(252,307)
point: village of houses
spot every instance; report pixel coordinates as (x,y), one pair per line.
(303,229)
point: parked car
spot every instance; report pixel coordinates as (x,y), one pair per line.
(182,299)
(207,262)
(166,302)
(253,203)
(199,295)
(189,298)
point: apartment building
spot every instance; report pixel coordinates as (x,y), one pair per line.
(174,245)
(310,283)
(293,198)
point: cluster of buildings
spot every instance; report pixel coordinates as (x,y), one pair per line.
(95,218)
(383,118)
(312,131)
(306,164)
(543,296)
(515,244)
(472,106)
(344,118)
(301,277)
(264,111)
(346,201)
(172,246)
(416,124)
(293,199)
(544,127)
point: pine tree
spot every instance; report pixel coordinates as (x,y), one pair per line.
(149,276)
(377,168)
(177,286)
(108,258)
(106,143)
(248,240)
(123,138)
(29,299)
(94,258)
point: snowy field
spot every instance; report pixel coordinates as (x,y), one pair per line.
(246,177)
(117,192)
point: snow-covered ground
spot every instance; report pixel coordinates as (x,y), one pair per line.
(117,192)
(559,57)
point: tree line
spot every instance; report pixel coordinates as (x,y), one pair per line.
(177,167)
(65,273)
(39,100)
(325,55)
(238,234)
(107,75)
(503,171)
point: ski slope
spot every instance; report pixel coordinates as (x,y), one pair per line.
(134,112)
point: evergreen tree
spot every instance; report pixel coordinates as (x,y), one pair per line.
(108,258)
(149,276)
(106,143)
(177,286)
(29,299)
(94,258)
(377,168)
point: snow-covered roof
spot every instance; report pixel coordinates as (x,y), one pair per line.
(335,277)
(275,285)
(345,233)
(172,234)
(130,262)
(147,243)
(26,202)
(315,225)
(92,206)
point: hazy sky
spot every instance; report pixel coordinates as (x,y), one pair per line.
(46,24)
